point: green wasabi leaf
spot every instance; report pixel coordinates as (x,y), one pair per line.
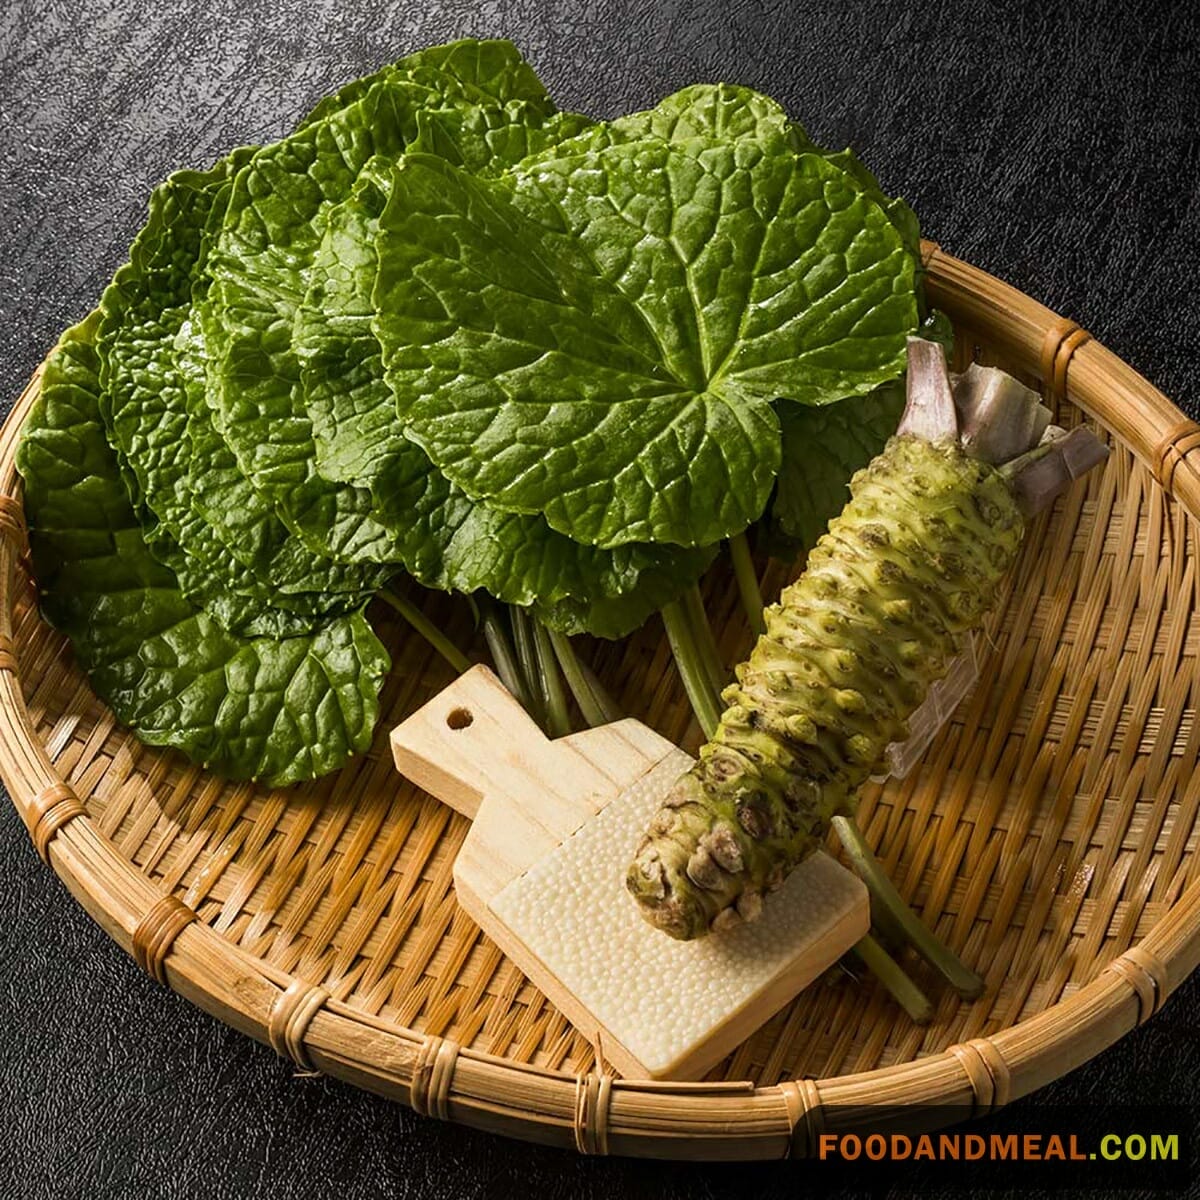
(824,447)
(726,111)
(350,93)
(248,707)
(349,405)
(256,266)
(354,426)
(447,540)
(898,212)
(143,400)
(302,580)
(713,111)
(396,506)
(486,70)
(152,400)
(263,253)
(599,337)
(616,616)
(520,560)
(489,140)
(690,117)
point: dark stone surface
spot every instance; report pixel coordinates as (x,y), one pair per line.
(1056,145)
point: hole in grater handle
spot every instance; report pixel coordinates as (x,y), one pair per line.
(459,718)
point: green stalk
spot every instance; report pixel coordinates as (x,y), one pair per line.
(747,582)
(889,972)
(558,717)
(610,708)
(589,705)
(503,656)
(890,933)
(704,701)
(706,643)
(885,897)
(527,660)
(427,629)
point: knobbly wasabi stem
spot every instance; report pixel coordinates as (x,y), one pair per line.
(884,895)
(688,662)
(747,582)
(427,629)
(851,649)
(527,660)
(889,972)
(877,960)
(504,658)
(589,704)
(706,642)
(558,716)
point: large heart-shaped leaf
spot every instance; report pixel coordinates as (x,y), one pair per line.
(599,338)
(448,540)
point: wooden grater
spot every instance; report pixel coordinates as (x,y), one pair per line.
(541,870)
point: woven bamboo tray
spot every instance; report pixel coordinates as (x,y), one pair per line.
(1050,833)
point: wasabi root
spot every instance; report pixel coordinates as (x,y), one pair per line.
(908,568)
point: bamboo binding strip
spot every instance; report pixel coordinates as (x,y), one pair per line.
(803,1100)
(156,932)
(290,1017)
(433,1077)
(1063,338)
(49,811)
(1146,975)
(985,1068)
(593,1096)
(1172,451)
(1051,832)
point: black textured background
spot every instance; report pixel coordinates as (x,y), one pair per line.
(1057,145)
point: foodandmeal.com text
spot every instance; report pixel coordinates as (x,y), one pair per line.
(996,1147)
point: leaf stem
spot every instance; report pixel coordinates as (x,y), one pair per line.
(893,977)
(747,582)
(427,629)
(706,643)
(558,717)
(503,656)
(589,705)
(527,660)
(611,709)
(691,667)
(886,898)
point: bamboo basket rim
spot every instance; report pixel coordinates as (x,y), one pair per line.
(593,1112)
